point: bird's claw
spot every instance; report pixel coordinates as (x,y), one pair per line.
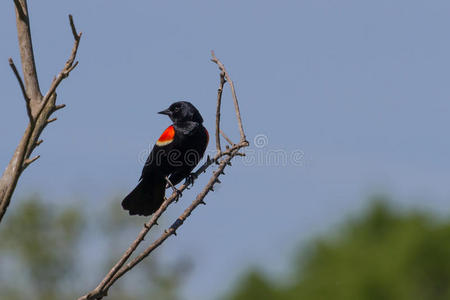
(174,189)
(179,194)
(190,180)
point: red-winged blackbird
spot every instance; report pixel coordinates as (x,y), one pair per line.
(175,154)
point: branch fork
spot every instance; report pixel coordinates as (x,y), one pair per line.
(39,108)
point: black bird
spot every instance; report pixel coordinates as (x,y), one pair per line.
(175,154)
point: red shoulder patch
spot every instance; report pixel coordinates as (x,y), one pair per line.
(166,137)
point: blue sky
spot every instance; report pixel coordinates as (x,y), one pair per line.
(359,87)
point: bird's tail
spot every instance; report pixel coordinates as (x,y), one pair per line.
(146,197)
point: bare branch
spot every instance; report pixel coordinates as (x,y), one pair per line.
(233,92)
(76,36)
(26,53)
(29,161)
(51,120)
(57,107)
(226,138)
(22,87)
(39,108)
(68,67)
(219,101)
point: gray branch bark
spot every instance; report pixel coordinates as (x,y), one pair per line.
(39,107)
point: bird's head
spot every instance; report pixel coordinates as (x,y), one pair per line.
(182,111)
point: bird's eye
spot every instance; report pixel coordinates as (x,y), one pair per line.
(176,109)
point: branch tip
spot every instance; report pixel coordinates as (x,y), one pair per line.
(233,92)
(51,120)
(226,137)
(72,67)
(57,107)
(29,161)
(213,57)
(76,36)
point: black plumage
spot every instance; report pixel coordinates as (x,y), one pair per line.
(175,154)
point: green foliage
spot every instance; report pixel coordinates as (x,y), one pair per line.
(255,286)
(40,254)
(382,255)
(40,242)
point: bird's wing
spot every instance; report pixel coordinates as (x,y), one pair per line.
(158,155)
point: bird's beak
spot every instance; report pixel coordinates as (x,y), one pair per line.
(165,112)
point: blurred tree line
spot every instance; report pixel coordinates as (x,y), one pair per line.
(49,252)
(382,255)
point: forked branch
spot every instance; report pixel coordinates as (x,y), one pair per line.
(233,93)
(219,101)
(222,159)
(39,108)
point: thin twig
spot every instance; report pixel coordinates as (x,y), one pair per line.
(233,92)
(29,161)
(39,108)
(226,138)
(57,107)
(68,67)
(76,36)
(219,101)
(22,87)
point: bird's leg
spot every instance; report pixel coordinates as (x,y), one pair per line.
(190,179)
(179,194)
